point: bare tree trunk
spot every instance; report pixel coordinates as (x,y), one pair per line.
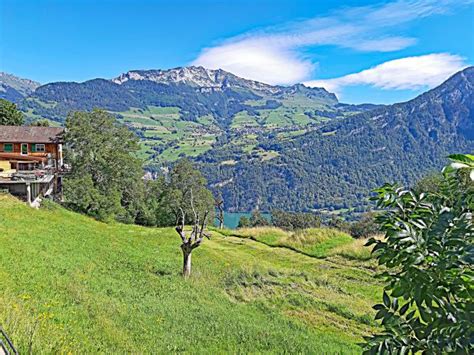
(192,240)
(186,262)
(220,217)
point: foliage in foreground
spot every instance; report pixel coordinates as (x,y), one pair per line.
(428,251)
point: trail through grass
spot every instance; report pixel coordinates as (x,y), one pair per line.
(69,283)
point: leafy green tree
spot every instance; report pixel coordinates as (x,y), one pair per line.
(106,177)
(339,223)
(153,212)
(9,114)
(429,183)
(257,219)
(187,184)
(40,123)
(365,227)
(244,222)
(428,254)
(295,220)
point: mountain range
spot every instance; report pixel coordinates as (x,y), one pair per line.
(15,89)
(264,146)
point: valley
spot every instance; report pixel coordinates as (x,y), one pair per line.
(237,177)
(263,146)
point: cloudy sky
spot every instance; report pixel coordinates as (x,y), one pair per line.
(364,51)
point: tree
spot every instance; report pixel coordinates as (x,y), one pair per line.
(365,227)
(428,253)
(195,237)
(339,223)
(153,210)
(40,123)
(295,220)
(257,219)
(184,180)
(9,114)
(106,177)
(220,208)
(429,183)
(244,222)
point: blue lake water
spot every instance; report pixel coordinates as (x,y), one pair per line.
(231,219)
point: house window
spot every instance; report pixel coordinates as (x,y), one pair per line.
(39,148)
(24,148)
(8,147)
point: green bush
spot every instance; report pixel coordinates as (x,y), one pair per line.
(365,227)
(428,252)
(295,220)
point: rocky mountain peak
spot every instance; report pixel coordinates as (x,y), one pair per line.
(14,88)
(218,79)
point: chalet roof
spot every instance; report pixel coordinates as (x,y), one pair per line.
(24,134)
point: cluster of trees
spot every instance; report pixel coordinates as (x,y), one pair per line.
(295,220)
(106,180)
(363,227)
(257,219)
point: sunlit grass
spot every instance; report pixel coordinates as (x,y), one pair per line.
(317,242)
(71,284)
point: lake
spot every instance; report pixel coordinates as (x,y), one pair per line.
(231,219)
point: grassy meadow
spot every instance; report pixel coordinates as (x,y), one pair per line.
(72,284)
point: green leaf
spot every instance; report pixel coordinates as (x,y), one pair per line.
(378,307)
(395,304)
(386,299)
(398,291)
(425,314)
(418,259)
(380,314)
(410,315)
(463,158)
(404,308)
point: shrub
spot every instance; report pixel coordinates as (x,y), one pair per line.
(295,220)
(365,227)
(428,252)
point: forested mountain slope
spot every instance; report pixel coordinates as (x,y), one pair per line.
(338,164)
(185,111)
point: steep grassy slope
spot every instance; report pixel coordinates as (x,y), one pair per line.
(68,283)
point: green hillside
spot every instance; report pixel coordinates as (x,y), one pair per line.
(69,283)
(267,147)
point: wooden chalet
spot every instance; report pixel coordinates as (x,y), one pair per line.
(31,161)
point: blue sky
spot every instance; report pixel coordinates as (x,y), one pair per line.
(365,51)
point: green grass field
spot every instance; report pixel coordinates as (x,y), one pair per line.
(71,284)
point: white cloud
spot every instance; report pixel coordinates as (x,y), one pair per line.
(258,61)
(274,55)
(412,73)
